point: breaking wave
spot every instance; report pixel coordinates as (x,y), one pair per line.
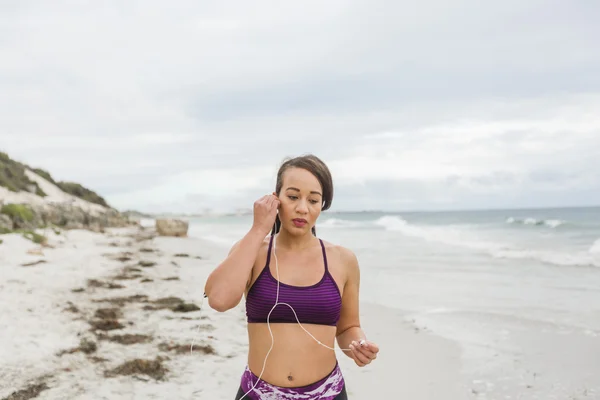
(467,237)
(552,223)
(595,249)
(341,223)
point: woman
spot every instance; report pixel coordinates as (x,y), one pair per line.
(302,293)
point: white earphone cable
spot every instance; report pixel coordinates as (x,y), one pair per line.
(269,325)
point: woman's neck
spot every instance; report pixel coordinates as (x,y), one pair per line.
(294,242)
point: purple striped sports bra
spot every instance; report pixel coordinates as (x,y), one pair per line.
(320,303)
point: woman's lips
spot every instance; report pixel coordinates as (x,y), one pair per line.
(299,222)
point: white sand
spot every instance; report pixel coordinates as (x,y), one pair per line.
(35,325)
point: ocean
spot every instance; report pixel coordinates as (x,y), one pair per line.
(505,284)
(506,260)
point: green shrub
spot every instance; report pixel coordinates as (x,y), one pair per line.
(13,177)
(77,190)
(35,237)
(17,211)
(44,174)
(30,235)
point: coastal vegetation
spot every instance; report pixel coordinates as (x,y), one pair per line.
(25,214)
(14,178)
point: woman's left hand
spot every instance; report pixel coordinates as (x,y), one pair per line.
(364,354)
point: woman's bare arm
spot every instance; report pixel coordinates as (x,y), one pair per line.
(225,286)
(348,327)
(350,334)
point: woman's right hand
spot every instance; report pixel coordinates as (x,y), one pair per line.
(265,211)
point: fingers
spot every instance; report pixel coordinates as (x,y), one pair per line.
(360,358)
(265,210)
(368,353)
(364,354)
(372,347)
(273,201)
(261,200)
(268,200)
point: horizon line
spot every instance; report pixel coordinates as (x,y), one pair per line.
(349,211)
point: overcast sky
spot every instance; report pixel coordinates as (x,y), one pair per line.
(188,105)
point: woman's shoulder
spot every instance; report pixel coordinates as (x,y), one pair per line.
(262,249)
(341,254)
(265,243)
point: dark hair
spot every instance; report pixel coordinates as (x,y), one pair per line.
(315,166)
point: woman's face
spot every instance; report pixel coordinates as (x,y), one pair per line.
(301,198)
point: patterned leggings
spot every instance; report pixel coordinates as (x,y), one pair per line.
(251,396)
(331,387)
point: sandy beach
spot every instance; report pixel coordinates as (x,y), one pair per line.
(113,315)
(453,148)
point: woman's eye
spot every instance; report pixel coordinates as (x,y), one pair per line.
(296,198)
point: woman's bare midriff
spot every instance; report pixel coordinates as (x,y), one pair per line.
(296,358)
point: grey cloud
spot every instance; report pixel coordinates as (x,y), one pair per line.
(253,83)
(550,176)
(356,94)
(413,195)
(501,51)
(496,178)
